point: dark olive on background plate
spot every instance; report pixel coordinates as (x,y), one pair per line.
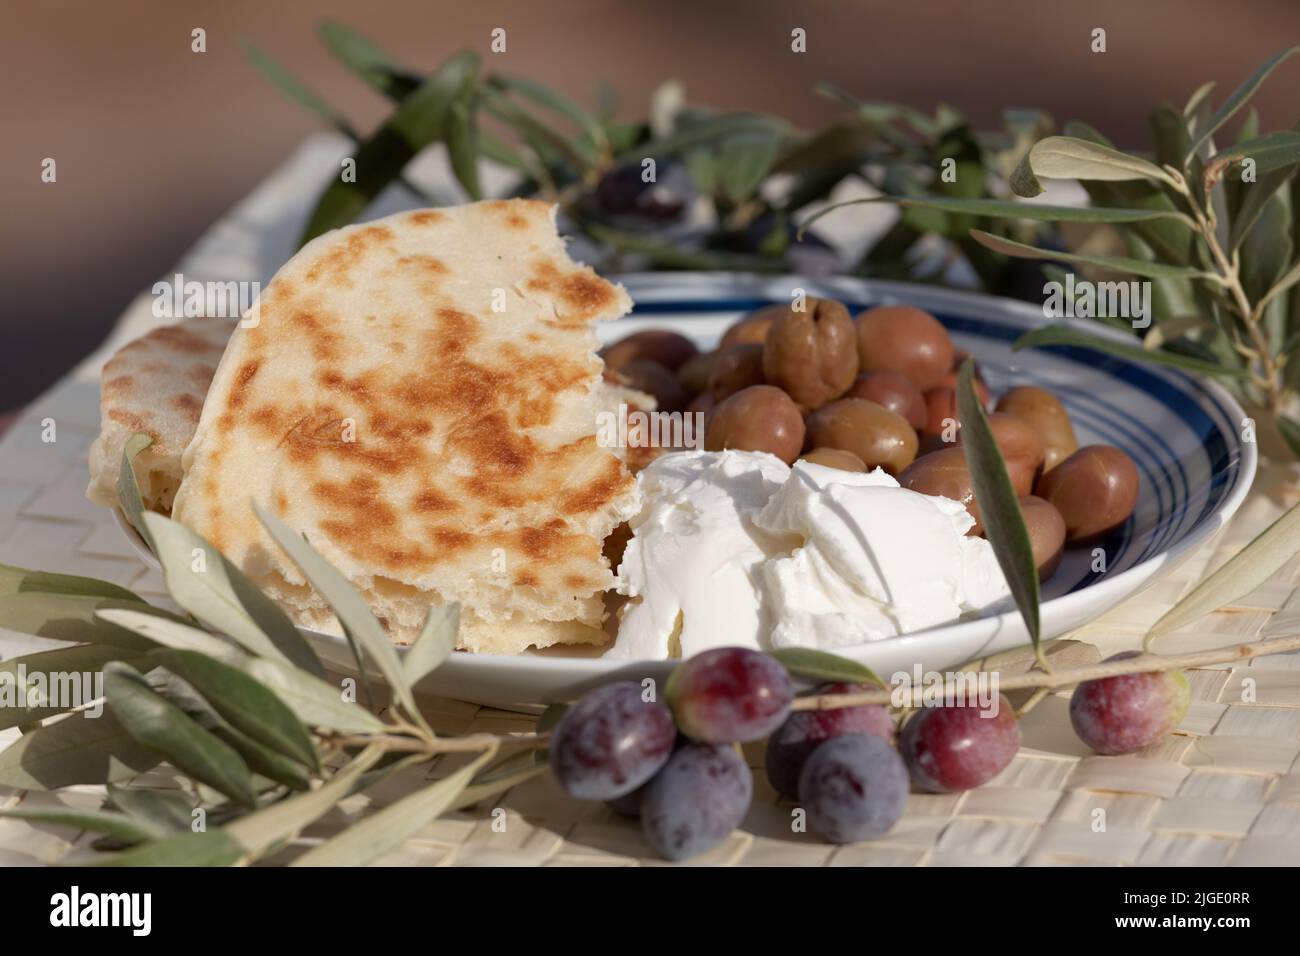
(737,367)
(669,349)
(1045,413)
(944,473)
(622,196)
(1046,530)
(653,379)
(835,458)
(752,327)
(812,353)
(694,372)
(758,418)
(872,432)
(1095,490)
(894,391)
(904,339)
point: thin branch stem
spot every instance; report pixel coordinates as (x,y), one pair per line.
(1146,664)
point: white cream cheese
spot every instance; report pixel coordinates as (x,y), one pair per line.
(693,566)
(734,548)
(875,560)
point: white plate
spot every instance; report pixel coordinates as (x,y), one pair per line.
(1182,432)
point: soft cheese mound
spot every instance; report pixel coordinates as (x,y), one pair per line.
(876,560)
(734,548)
(693,567)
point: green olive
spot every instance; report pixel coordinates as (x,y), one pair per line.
(905,339)
(1095,490)
(879,437)
(812,353)
(1046,533)
(667,348)
(835,458)
(758,418)
(1047,416)
(737,367)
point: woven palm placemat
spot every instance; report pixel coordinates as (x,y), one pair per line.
(1224,789)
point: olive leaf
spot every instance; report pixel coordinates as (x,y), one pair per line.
(119,825)
(1241,574)
(434,644)
(209,848)
(174,634)
(243,701)
(73,617)
(552,100)
(218,593)
(77,749)
(380,832)
(1004,524)
(167,812)
(497,783)
(128,489)
(824,667)
(1290,430)
(58,666)
(462,142)
(295,89)
(1239,98)
(1141,267)
(1067,336)
(1002,209)
(1285,282)
(366,58)
(1067,157)
(1270,153)
(315,702)
(269,766)
(743,163)
(419,120)
(157,723)
(347,603)
(271,825)
(22,581)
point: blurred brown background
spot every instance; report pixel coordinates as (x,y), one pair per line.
(153,142)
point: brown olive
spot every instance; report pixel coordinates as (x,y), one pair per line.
(944,473)
(1020,445)
(872,432)
(895,391)
(835,458)
(1047,416)
(694,372)
(752,328)
(758,418)
(1095,490)
(812,353)
(737,367)
(667,348)
(941,413)
(1046,533)
(981,390)
(653,379)
(904,339)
